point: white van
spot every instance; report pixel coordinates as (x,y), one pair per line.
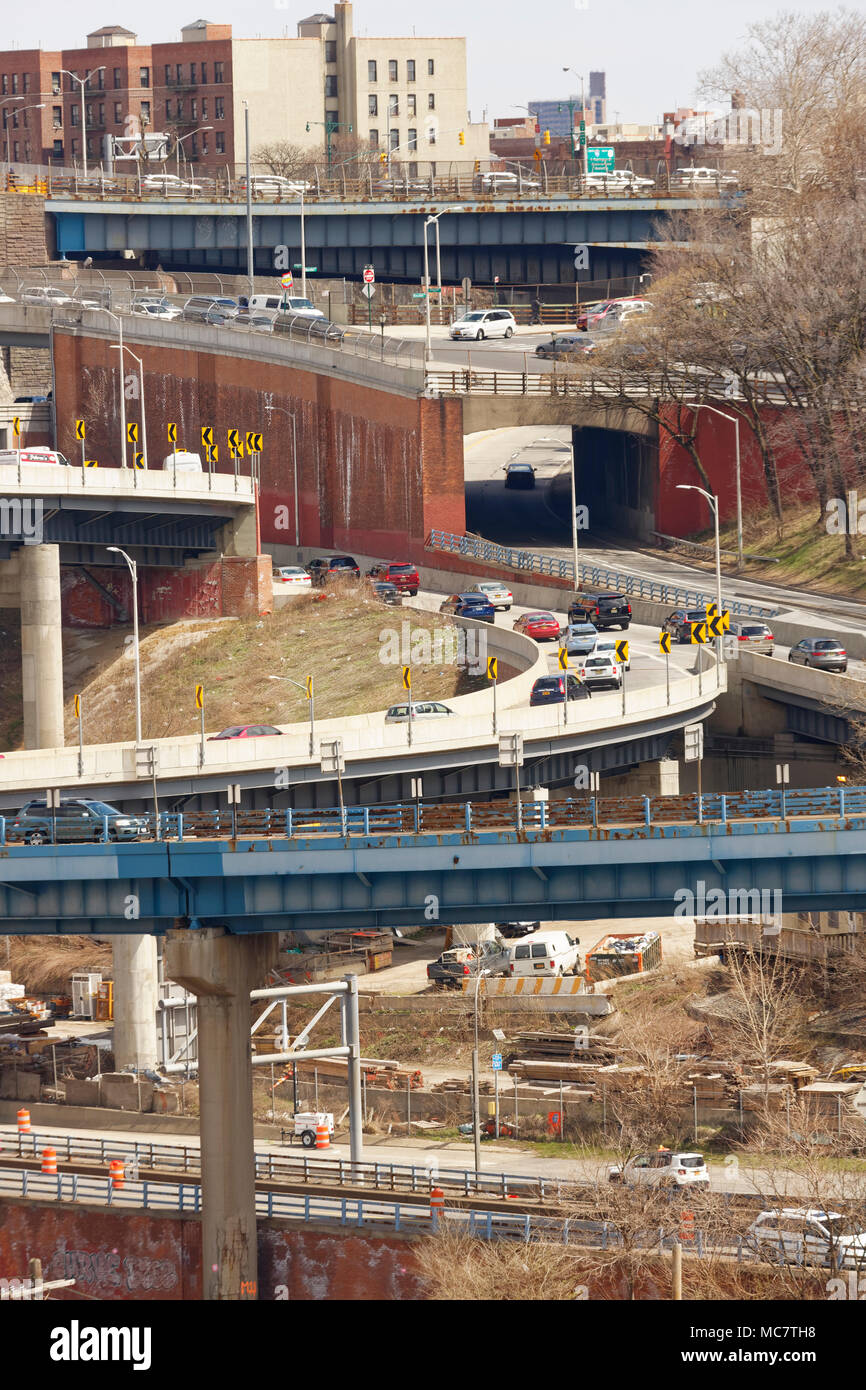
(29,456)
(546,954)
(288,303)
(182,462)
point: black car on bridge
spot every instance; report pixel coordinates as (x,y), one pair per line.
(602,610)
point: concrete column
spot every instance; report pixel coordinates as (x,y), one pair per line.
(661,778)
(135,998)
(41,646)
(221,969)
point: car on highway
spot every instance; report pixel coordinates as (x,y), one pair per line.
(6,298)
(539,624)
(325,567)
(291,579)
(519,475)
(504,181)
(273,304)
(821,653)
(245,731)
(565,346)
(550,690)
(703,178)
(602,610)
(606,646)
(804,1236)
(386,592)
(663,1168)
(272,186)
(210,308)
(755,637)
(38,455)
(679,623)
(518,929)
(254,323)
(401,573)
(580,639)
(610,310)
(169,185)
(164,312)
(618,181)
(600,669)
(484,323)
(401,186)
(48,296)
(421,709)
(495,593)
(469,605)
(78,819)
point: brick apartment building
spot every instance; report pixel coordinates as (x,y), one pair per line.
(408,95)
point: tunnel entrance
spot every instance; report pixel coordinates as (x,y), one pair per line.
(616,480)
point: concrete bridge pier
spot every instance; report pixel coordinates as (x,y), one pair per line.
(41,646)
(135,1000)
(221,970)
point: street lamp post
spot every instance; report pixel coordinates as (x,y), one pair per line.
(312,703)
(120,347)
(714,507)
(179,142)
(18,110)
(432,220)
(82,82)
(735,420)
(133,570)
(584,156)
(476,1101)
(119,321)
(291,416)
(250,259)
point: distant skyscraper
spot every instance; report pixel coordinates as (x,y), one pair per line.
(598,97)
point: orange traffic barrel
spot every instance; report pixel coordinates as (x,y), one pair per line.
(687,1226)
(49,1161)
(437,1201)
(116,1169)
(23,1121)
(323,1139)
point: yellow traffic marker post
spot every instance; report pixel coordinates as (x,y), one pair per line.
(199,704)
(492,675)
(76,705)
(171,430)
(665,648)
(407,685)
(311,700)
(80,432)
(562,657)
(621,653)
(699,637)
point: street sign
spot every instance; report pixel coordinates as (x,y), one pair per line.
(132,433)
(332,758)
(214,454)
(199,697)
(233,439)
(621,651)
(699,634)
(694,739)
(172,434)
(407,677)
(254,442)
(511,750)
(91,463)
(496,1061)
(467,287)
(138,460)
(287,280)
(16,427)
(79,429)
(599,160)
(369,275)
(665,643)
(369,290)
(309,687)
(234,793)
(311,269)
(712,610)
(207,436)
(492,668)
(719,623)
(563,659)
(76,705)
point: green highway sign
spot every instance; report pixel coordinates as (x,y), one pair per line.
(311,269)
(599,160)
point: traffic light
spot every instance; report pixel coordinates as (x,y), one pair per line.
(383,158)
(461,138)
(478,166)
(546,137)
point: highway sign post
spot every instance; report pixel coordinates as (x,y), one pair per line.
(621,652)
(493,675)
(665,649)
(199,704)
(407,685)
(76,705)
(511,755)
(333,761)
(694,748)
(80,431)
(562,658)
(599,160)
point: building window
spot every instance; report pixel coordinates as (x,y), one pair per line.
(55,84)
(118,113)
(100,80)
(15,119)
(194,147)
(144,77)
(179,109)
(331,87)
(204,144)
(431,135)
(15,154)
(193,109)
(395,140)
(410,69)
(74,148)
(413,169)
(373,104)
(14,82)
(374,139)
(57,149)
(74,114)
(168,110)
(57,115)
(431,101)
(204,109)
(393,105)
(89,110)
(217,72)
(179,72)
(219,108)
(27,82)
(89,145)
(145,111)
(220,142)
(330,51)
(392,70)
(4,83)
(204,73)
(412,101)
(192,72)
(118,79)
(167,73)
(372,72)
(102,113)
(431,68)
(412,138)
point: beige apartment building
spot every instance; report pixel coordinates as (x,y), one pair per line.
(406,96)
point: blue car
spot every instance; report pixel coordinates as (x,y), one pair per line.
(469,606)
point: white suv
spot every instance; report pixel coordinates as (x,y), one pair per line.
(798,1235)
(664,1168)
(485,323)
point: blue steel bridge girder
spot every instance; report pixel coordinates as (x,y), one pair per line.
(575,874)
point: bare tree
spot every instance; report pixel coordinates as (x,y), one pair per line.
(769,1018)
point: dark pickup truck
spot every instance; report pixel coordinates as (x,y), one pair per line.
(459,964)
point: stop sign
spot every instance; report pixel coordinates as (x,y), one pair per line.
(369,275)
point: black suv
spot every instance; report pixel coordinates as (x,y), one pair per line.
(602,610)
(679,624)
(75,820)
(550,690)
(326,567)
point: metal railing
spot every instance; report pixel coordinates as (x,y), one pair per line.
(590,576)
(642,816)
(563,384)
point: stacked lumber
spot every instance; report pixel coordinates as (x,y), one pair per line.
(537,1045)
(583,1073)
(377,1071)
(796,1074)
(461,1085)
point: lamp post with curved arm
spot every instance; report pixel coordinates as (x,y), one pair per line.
(16,110)
(735,420)
(133,570)
(82,82)
(713,503)
(179,142)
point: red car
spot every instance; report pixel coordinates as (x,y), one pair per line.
(403,576)
(246,731)
(544,627)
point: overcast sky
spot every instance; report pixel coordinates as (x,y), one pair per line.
(651,51)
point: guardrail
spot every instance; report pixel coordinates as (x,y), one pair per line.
(65,480)
(640,815)
(565,385)
(589,576)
